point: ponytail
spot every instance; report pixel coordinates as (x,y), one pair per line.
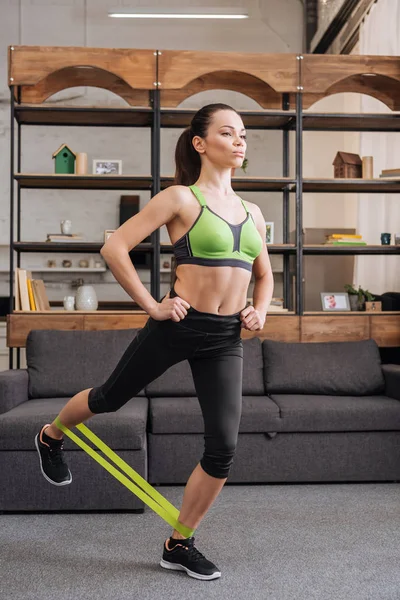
(187,159)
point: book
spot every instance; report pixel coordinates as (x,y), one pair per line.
(344,239)
(347,240)
(340,243)
(390,172)
(23,288)
(36,296)
(30,294)
(40,290)
(63,238)
(346,235)
(17,295)
(64,234)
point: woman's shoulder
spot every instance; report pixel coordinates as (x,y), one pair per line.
(181,194)
(252,207)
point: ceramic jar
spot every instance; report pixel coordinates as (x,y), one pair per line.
(86,298)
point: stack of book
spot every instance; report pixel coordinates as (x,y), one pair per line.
(390,173)
(64,237)
(344,239)
(30,294)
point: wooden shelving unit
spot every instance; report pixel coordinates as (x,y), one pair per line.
(285,86)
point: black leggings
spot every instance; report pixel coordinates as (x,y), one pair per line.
(213,347)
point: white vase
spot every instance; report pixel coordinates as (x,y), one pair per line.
(86,298)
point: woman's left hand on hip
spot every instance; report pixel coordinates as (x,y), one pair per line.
(252,319)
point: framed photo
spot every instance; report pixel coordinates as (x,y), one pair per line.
(332,301)
(269,232)
(107,167)
(107,234)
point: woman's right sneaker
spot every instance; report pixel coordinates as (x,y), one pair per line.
(52,463)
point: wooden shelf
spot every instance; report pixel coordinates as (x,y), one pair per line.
(56,115)
(48,114)
(89,247)
(58,270)
(312,249)
(83,182)
(351,122)
(133,182)
(241,184)
(379,186)
(145,248)
(78,312)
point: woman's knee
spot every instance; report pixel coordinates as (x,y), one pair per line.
(217,460)
(99,402)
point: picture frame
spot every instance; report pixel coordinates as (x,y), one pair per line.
(107,234)
(269,232)
(107,166)
(335,301)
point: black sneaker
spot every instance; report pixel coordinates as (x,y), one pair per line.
(52,463)
(185,557)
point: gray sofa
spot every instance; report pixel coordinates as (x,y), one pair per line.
(311,413)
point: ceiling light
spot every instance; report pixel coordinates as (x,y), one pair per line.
(170,13)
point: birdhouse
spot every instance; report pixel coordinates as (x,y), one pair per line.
(347,166)
(64,160)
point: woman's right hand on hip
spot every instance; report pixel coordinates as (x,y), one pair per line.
(170,308)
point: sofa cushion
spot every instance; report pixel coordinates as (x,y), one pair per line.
(183,415)
(122,430)
(337,413)
(63,363)
(178,380)
(342,368)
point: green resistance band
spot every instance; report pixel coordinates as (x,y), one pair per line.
(147,494)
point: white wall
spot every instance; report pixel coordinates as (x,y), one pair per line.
(85,23)
(320,148)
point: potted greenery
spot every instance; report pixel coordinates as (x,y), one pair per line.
(358,297)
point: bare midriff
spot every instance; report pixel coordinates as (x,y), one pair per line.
(218,290)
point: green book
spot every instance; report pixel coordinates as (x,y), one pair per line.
(348,244)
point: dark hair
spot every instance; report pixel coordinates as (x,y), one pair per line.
(187,159)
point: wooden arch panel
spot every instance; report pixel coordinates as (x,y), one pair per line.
(256,89)
(82,76)
(264,77)
(28,65)
(377,76)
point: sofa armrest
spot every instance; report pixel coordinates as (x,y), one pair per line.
(13,388)
(392,380)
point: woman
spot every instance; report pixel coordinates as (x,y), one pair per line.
(218,240)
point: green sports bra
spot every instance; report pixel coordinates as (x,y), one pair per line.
(213,242)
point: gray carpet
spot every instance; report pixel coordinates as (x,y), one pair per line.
(279,542)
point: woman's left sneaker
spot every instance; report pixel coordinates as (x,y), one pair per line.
(185,557)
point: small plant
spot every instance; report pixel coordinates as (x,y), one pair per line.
(350,289)
(368,296)
(245,164)
(362,295)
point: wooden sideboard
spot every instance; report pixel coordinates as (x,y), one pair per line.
(383,327)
